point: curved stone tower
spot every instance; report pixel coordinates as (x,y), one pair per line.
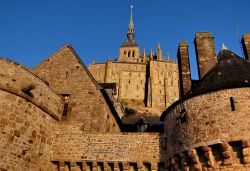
(209,127)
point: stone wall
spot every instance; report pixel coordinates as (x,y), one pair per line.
(98,71)
(136,83)
(29,110)
(72,145)
(207,120)
(87,106)
(26,134)
(130,78)
(164,84)
(19,80)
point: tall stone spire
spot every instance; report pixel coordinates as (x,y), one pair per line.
(129,50)
(131,27)
(130,41)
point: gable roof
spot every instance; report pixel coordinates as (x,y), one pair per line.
(98,87)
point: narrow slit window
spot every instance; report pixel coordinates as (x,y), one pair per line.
(66,104)
(232,103)
(66,76)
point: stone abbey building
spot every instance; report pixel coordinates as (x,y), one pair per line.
(59,117)
(147,83)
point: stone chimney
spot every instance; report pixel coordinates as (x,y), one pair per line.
(205,52)
(246,46)
(184,68)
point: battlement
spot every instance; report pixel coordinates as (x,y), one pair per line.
(203,34)
(226,155)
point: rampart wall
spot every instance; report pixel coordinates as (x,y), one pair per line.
(29,111)
(133,149)
(20,81)
(210,130)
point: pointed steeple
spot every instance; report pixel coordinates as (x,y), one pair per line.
(130,41)
(131,27)
(129,50)
(131,23)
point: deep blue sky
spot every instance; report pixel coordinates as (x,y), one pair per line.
(31,30)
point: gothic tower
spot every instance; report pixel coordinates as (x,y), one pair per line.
(129,50)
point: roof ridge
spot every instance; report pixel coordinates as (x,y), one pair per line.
(79,60)
(53,54)
(98,86)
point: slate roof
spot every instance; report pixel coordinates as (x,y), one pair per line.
(231,71)
(129,43)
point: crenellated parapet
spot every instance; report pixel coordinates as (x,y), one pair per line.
(226,155)
(29,110)
(92,165)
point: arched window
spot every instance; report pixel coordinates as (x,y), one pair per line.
(156,76)
(133,54)
(129,54)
